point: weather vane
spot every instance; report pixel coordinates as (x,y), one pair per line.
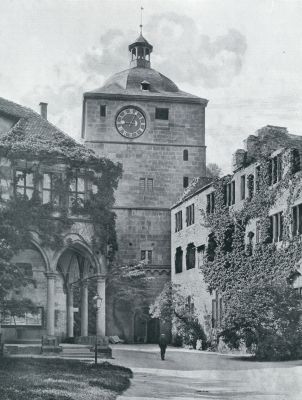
(141,25)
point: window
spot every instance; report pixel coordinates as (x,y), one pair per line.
(258,232)
(211,247)
(48,195)
(103,111)
(250,186)
(257,173)
(190,256)
(185,182)
(242,187)
(210,203)
(276,227)
(214,313)
(185,155)
(190,215)
(145,85)
(150,184)
(200,255)
(146,255)
(297,220)
(178,260)
(146,184)
(275,169)
(178,221)
(229,194)
(233,192)
(24,184)
(162,113)
(77,192)
(295,161)
(142,184)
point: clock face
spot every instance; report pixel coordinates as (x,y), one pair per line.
(130,122)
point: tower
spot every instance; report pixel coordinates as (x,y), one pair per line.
(141,119)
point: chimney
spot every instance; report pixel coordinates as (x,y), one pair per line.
(43,110)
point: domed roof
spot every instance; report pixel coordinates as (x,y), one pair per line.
(129,82)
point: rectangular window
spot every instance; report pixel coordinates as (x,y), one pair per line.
(178,221)
(275,169)
(142,184)
(178,260)
(146,255)
(297,220)
(210,203)
(190,215)
(214,312)
(200,255)
(233,192)
(190,256)
(185,182)
(258,232)
(77,192)
(24,183)
(257,174)
(242,187)
(103,111)
(277,226)
(48,195)
(162,113)
(150,184)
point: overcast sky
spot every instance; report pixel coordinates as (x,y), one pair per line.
(244,56)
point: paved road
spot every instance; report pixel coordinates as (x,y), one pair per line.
(187,374)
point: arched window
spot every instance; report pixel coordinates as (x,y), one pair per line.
(134,52)
(185,155)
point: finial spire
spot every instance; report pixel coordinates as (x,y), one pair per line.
(141,25)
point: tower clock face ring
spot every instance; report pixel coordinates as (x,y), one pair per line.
(130,122)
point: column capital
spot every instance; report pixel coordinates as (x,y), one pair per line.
(100,278)
(51,275)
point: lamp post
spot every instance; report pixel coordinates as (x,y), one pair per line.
(97,304)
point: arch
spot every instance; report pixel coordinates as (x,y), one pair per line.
(37,244)
(75,242)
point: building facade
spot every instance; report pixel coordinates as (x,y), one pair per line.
(34,155)
(191,235)
(141,119)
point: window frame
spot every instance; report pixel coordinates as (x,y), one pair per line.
(162,114)
(190,214)
(25,187)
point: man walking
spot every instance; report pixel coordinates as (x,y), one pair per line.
(163,345)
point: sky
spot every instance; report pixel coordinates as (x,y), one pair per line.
(244,56)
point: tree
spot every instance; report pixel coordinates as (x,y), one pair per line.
(213,170)
(172,305)
(266,316)
(128,287)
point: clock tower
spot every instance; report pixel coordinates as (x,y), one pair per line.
(141,119)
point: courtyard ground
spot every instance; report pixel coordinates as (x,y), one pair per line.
(189,374)
(57,379)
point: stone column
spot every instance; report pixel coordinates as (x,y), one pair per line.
(101,307)
(51,280)
(70,311)
(84,308)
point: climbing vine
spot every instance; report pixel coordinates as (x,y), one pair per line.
(232,265)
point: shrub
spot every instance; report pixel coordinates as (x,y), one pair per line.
(267,316)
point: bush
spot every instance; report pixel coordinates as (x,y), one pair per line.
(267,317)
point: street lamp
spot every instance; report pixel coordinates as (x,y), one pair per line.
(97,300)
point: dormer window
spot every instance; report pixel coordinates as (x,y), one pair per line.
(145,85)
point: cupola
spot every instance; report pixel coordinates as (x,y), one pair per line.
(140,52)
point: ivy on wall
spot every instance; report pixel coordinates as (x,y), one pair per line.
(229,262)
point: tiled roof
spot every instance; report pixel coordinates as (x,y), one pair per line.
(35,135)
(128,82)
(196,185)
